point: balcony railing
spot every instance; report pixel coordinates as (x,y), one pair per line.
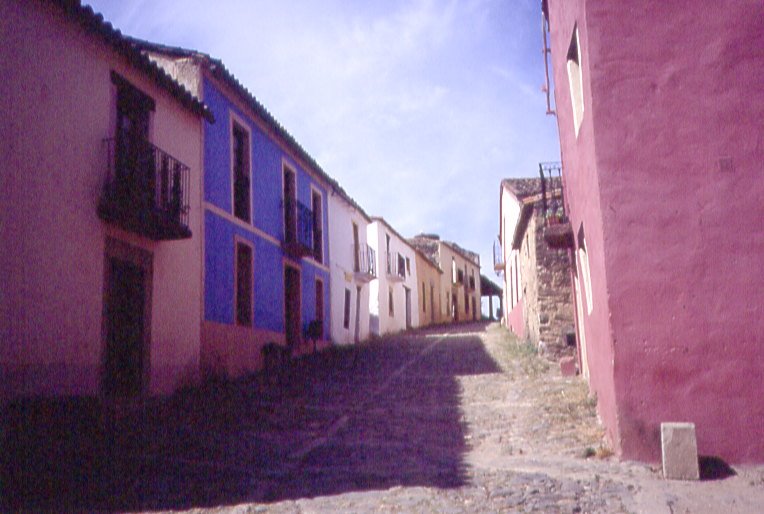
(396,267)
(558,232)
(364,263)
(298,234)
(146,190)
(498,258)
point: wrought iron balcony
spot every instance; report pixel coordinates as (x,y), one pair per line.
(558,232)
(498,258)
(396,267)
(298,233)
(364,263)
(146,190)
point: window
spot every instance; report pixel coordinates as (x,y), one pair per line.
(243,284)
(575,80)
(241,171)
(466,301)
(401,266)
(408,266)
(586,278)
(134,161)
(390,306)
(346,318)
(318,240)
(356,249)
(290,205)
(389,259)
(424,298)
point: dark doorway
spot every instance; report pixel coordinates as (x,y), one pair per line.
(320,304)
(408,307)
(292,306)
(124,363)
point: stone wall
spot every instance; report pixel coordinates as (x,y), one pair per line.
(555,294)
(547,292)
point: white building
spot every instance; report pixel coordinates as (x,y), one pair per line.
(394,295)
(353,268)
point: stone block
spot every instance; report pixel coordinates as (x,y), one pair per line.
(679,449)
(568,366)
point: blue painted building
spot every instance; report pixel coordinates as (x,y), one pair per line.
(265,246)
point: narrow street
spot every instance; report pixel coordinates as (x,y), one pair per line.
(442,420)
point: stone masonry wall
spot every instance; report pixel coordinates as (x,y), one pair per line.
(555,294)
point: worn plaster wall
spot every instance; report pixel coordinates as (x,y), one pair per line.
(58,103)
(664,176)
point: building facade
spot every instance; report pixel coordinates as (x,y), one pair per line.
(394,295)
(101,215)
(659,112)
(429,279)
(459,292)
(537,283)
(265,267)
(353,267)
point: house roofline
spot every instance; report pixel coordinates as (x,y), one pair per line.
(95,24)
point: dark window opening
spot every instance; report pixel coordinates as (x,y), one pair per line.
(290,206)
(241,173)
(346,318)
(318,247)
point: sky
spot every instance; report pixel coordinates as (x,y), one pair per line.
(418,108)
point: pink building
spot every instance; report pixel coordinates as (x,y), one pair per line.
(660,108)
(100,290)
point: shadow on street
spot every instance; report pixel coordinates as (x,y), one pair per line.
(374,416)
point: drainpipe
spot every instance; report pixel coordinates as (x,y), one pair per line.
(546,51)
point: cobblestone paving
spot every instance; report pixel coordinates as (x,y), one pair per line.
(451,420)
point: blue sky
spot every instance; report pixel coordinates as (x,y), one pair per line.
(418,108)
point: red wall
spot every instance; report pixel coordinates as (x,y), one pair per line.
(668,162)
(584,205)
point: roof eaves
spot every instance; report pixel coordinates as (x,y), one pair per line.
(219,71)
(95,23)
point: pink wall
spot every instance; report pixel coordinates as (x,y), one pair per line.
(669,156)
(517,319)
(58,106)
(581,192)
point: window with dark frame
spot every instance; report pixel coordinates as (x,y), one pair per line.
(243,284)
(356,249)
(346,318)
(318,240)
(390,306)
(241,172)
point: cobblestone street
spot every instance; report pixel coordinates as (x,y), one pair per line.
(454,420)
